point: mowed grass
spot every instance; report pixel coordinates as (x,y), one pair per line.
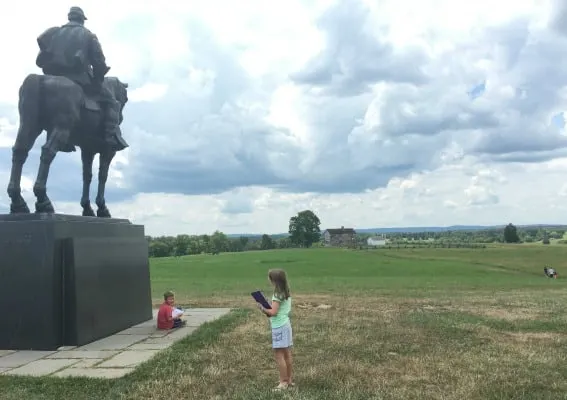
(229,276)
(378,324)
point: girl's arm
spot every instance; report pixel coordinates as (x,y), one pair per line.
(274,310)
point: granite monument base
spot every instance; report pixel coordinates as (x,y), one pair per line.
(70,280)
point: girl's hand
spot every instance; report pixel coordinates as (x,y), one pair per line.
(263,310)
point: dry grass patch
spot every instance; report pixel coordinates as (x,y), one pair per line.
(506,313)
(524,337)
(508,308)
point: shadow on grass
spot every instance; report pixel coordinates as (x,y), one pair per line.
(172,361)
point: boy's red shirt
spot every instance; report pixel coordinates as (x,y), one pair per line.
(164,317)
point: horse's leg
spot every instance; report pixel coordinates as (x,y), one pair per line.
(29,107)
(48,151)
(26,137)
(87,157)
(105,158)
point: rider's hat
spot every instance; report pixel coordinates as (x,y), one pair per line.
(77,12)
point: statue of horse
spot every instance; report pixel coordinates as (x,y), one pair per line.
(71,118)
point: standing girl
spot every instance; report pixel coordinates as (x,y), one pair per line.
(282,338)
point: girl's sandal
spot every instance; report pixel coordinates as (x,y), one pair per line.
(292,384)
(281,387)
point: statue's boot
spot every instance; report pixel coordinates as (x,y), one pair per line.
(112,132)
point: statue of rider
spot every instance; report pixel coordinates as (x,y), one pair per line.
(74,52)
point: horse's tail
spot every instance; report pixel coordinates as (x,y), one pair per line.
(30,98)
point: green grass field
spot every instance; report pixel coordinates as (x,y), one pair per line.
(377,324)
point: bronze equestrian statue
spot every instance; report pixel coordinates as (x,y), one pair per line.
(76,105)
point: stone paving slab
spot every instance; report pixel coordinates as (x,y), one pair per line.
(106,373)
(139,330)
(151,346)
(114,342)
(84,354)
(128,359)
(88,363)
(111,357)
(20,358)
(41,367)
(158,334)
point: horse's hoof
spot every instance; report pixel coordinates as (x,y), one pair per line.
(44,207)
(88,212)
(20,208)
(103,213)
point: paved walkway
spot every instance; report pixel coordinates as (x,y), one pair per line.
(111,357)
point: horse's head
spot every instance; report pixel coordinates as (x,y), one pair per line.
(120,92)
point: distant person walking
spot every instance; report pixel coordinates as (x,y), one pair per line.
(550,272)
(282,335)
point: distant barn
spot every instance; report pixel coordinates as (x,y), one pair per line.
(343,237)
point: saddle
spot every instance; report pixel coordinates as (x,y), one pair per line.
(92,97)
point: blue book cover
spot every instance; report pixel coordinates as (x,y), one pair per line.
(259,297)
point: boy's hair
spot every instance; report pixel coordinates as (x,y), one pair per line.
(168,294)
(279,278)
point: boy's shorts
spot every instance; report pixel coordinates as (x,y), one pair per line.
(282,337)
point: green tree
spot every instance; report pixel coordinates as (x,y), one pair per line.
(284,243)
(194,245)
(206,246)
(218,242)
(158,248)
(511,234)
(304,228)
(545,239)
(182,245)
(267,242)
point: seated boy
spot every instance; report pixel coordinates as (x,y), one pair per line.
(169,316)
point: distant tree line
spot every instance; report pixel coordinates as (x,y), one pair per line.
(218,242)
(509,234)
(303,231)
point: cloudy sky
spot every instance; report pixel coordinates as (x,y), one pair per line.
(372,113)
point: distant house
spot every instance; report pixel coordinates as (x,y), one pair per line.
(342,237)
(376,241)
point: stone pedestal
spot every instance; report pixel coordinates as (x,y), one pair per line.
(70,280)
